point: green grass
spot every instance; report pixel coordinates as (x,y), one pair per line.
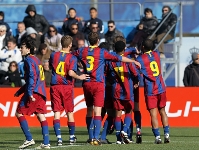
(181,139)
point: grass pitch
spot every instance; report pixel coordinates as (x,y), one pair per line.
(181,139)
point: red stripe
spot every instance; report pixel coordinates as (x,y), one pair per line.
(44,123)
(126,81)
(117,119)
(97,118)
(21,119)
(128,115)
(71,123)
(56,121)
(96,56)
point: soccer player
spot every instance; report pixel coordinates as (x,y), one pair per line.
(125,76)
(64,66)
(154,87)
(93,60)
(132,53)
(33,100)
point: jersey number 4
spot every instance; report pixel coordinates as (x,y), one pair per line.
(41,73)
(60,68)
(154,68)
(90,60)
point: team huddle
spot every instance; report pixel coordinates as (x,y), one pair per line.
(110,85)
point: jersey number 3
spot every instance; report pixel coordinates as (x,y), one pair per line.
(41,73)
(60,68)
(154,68)
(90,60)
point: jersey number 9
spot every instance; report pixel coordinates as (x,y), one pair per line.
(154,68)
(60,69)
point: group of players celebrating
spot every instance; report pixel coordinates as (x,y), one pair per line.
(110,81)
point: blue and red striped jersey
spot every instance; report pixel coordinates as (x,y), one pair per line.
(34,77)
(123,75)
(151,70)
(93,60)
(61,62)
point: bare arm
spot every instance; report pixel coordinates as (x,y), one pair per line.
(81,77)
(127,60)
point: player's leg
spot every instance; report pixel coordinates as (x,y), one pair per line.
(164,118)
(45,132)
(154,124)
(98,102)
(24,126)
(57,128)
(128,107)
(21,109)
(130,132)
(118,125)
(89,114)
(107,126)
(57,107)
(71,127)
(152,106)
(103,112)
(137,118)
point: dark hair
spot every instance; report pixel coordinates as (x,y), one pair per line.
(104,45)
(71,9)
(13,62)
(93,8)
(119,38)
(148,10)
(166,7)
(93,22)
(73,25)
(42,46)
(2,14)
(93,37)
(66,41)
(148,45)
(111,21)
(119,46)
(13,40)
(52,26)
(29,42)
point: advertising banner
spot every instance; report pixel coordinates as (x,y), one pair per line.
(182,108)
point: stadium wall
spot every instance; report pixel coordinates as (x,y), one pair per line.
(182,108)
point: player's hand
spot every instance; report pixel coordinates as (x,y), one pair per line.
(16,95)
(84,77)
(136,85)
(40,33)
(137,64)
(32,98)
(137,51)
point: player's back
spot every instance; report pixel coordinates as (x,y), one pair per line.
(93,59)
(151,70)
(34,75)
(123,75)
(61,62)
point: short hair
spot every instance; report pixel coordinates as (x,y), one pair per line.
(104,45)
(111,21)
(93,22)
(119,46)
(148,45)
(52,26)
(13,40)
(148,10)
(42,46)
(29,42)
(166,6)
(21,23)
(93,8)
(120,38)
(2,14)
(93,37)
(73,25)
(3,27)
(71,9)
(66,41)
